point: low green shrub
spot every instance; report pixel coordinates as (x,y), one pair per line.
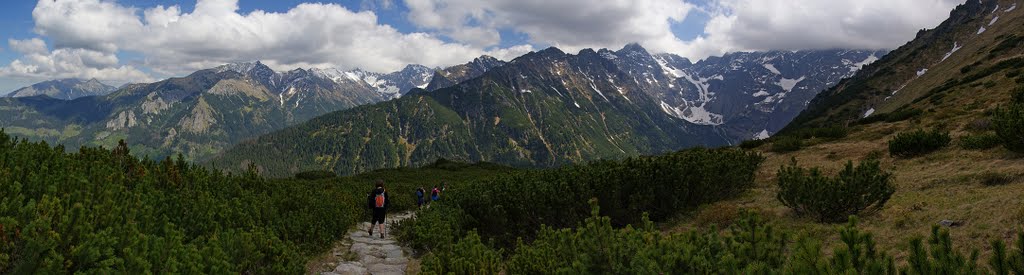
(916,143)
(980,141)
(467,256)
(749,246)
(1008,122)
(786,144)
(752,143)
(864,188)
(315,175)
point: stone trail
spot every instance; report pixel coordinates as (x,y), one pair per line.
(373,254)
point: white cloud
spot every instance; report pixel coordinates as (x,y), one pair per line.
(28,46)
(567,24)
(175,42)
(87,24)
(735,25)
(744,25)
(39,63)
(89,35)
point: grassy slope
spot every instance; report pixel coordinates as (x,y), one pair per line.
(942,185)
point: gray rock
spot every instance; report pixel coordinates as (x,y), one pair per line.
(350,269)
(393,253)
(950,223)
(397,261)
(386,269)
(370,259)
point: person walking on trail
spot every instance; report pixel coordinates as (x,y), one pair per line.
(420,197)
(378,201)
(435,194)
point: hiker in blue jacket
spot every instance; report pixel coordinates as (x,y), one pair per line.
(420,197)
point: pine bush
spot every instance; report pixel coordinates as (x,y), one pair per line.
(864,188)
(980,141)
(1008,122)
(752,143)
(315,175)
(917,143)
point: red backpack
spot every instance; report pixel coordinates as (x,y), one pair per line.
(378,201)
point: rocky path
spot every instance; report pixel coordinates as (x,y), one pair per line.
(372,254)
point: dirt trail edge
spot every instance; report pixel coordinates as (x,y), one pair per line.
(367,254)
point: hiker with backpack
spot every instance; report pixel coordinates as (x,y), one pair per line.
(435,194)
(378,201)
(420,197)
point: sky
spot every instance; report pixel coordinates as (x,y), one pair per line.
(129,41)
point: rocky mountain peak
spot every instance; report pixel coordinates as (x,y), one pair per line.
(633,48)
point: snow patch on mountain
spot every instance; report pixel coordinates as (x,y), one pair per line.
(699,115)
(760,93)
(1011,8)
(353,77)
(762,135)
(693,114)
(981,30)
(898,90)
(869,112)
(956,47)
(608,55)
(860,65)
(787,84)
(922,72)
(668,69)
(994,19)
(771,68)
(594,87)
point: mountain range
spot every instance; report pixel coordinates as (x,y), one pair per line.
(549,108)
(69,88)
(202,113)
(716,101)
